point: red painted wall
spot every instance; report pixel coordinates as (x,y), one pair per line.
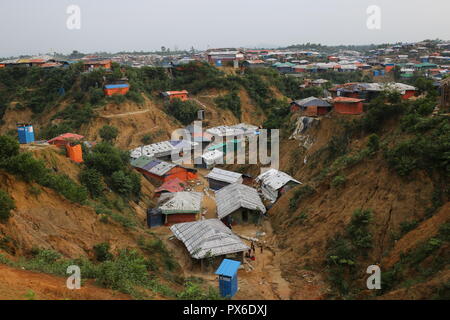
(409,94)
(110,92)
(179,218)
(348,108)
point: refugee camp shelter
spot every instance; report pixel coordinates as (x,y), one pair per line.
(171,95)
(275,183)
(228,280)
(75,152)
(219,178)
(209,238)
(163,149)
(180,206)
(162,170)
(120,89)
(238,203)
(173,185)
(238,130)
(155,218)
(65,139)
(253,64)
(209,159)
(311,106)
(95,64)
(346,105)
(25,132)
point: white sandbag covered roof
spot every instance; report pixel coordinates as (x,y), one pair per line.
(181,202)
(212,157)
(236,196)
(208,238)
(162,149)
(275,179)
(224,175)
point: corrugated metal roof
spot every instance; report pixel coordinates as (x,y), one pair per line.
(209,237)
(312,101)
(275,179)
(228,268)
(181,202)
(236,196)
(224,175)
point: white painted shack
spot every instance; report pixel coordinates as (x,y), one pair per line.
(238,203)
(274,183)
(208,238)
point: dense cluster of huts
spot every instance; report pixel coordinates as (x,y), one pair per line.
(239,198)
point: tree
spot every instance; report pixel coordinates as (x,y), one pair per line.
(102,253)
(108,133)
(9,147)
(121,183)
(92,180)
(183,111)
(6,205)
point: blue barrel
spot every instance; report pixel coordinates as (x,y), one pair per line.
(376,73)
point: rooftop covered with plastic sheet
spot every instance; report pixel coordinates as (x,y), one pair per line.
(208,238)
(236,196)
(163,148)
(312,101)
(224,175)
(181,202)
(228,268)
(275,179)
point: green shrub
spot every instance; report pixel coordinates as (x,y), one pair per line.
(6,205)
(102,253)
(358,229)
(373,144)
(92,180)
(338,181)
(230,101)
(108,133)
(106,159)
(300,193)
(9,147)
(183,111)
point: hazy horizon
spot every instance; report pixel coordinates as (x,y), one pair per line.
(37,27)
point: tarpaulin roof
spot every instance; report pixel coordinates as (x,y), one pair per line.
(224,175)
(208,238)
(312,101)
(173,185)
(228,268)
(275,179)
(66,136)
(115,86)
(181,202)
(236,196)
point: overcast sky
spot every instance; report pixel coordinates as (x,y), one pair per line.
(39,26)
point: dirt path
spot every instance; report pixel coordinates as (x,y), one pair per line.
(16,284)
(124,114)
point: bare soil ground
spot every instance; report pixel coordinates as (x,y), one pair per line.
(17,284)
